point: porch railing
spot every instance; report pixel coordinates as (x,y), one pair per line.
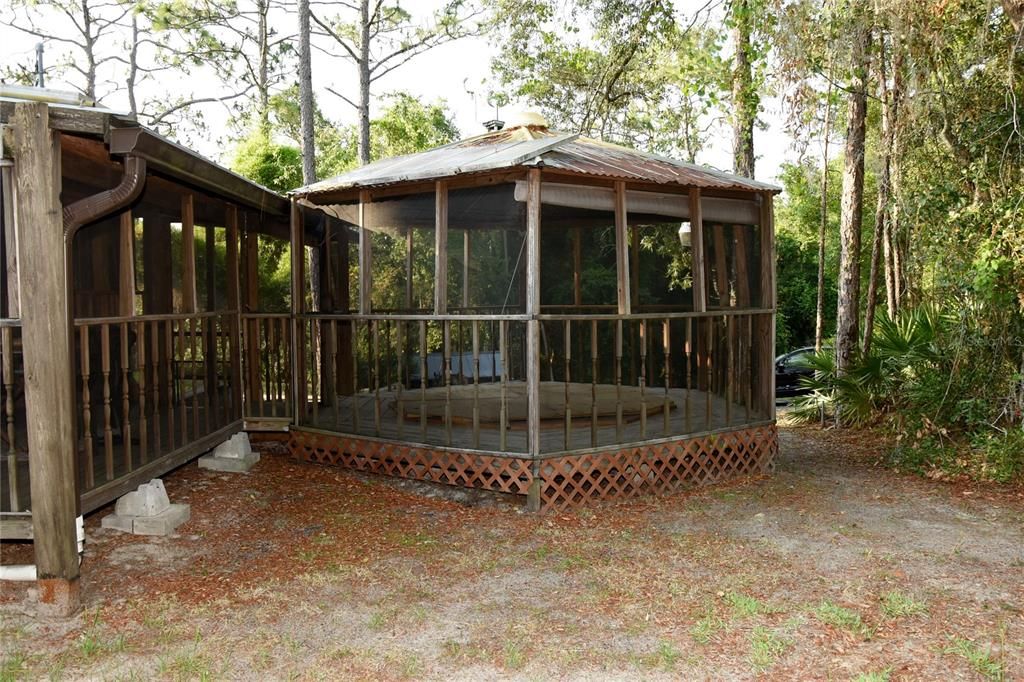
(149,388)
(459,380)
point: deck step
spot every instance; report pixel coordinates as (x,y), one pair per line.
(16,526)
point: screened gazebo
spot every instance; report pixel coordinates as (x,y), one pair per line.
(533,313)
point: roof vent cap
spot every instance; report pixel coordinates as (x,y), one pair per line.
(494,125)
(527,119)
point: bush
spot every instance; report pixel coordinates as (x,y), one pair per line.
(947,385)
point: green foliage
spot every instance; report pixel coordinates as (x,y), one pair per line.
(980,658)
(842,618)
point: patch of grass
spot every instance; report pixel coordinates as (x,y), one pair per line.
(766,647)
(187,665)
(842,618)
(417,540)
(13,666)
(514,655)
(744,606)
(668,655)
(877,676)
(895,604)
(704,629)
(980,659)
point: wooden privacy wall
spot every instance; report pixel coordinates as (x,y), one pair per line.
(565,482)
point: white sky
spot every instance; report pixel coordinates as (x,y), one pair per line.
(450,72)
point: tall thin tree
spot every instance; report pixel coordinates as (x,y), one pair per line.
(852,205)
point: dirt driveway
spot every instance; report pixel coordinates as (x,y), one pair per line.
(831,568)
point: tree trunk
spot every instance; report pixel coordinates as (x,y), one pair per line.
(744,99)
(133,66)
(364,82)
(819,318)
(263,86)
(308,143)
(890,241)
(852,201)
(882,207)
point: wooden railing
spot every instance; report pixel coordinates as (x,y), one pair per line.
(149,386)
(606,379)
(14,490)
(267,366)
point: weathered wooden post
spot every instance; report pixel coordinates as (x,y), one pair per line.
(48,368)
(533,335)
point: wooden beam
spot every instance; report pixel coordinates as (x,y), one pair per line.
(721,265)
(533,207)
(126,265)
(298,259)
(234,303)
(188,255)
(622,251)
(634,266)
(13,288)
(251,260)
(700,298)
(441,248)
(768,294)
(365,257)
(46,334)
(768,298)
(739,254)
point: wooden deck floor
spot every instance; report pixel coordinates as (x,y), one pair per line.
(690,411)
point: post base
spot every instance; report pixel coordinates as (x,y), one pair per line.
(58,598)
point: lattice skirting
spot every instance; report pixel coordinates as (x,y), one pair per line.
(564,482)
(574,480)
(452,467)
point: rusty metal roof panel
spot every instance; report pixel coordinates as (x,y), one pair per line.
(531,146)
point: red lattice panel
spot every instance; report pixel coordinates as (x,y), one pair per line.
(660,468)
(452,467)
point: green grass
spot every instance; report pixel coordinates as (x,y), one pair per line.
(668,655)
(13,666)
(514,655)
(895,604)
(704,629)
(980,659)
(744,606)
(766,647)
(842,618)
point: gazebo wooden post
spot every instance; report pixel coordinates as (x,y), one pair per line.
(700,283)
(766,329)
(441,248)
(343,362)
(465,268)
(250,304)
(408,269)
(47,359)
(533,333)
(365,257)
(328,288)
(625,299)
(188,255)
(234,305)
(298,259)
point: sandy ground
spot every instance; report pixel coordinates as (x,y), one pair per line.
(832,568)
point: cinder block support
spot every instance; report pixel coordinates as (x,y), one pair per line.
(45,334)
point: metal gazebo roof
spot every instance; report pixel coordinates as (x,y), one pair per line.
(532,146)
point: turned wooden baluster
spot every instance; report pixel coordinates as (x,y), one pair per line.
(126,403)
(7,346)
(140,346)
(87,409)
(108,435)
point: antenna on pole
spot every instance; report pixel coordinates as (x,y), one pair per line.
(40,71)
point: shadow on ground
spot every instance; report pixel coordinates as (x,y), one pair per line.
(831,568)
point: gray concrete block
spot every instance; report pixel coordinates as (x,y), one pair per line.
(117,522)
(163,523)
(229,464)
(150,499)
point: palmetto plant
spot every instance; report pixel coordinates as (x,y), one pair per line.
(903,349)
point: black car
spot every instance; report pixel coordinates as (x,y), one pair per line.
(790,369)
